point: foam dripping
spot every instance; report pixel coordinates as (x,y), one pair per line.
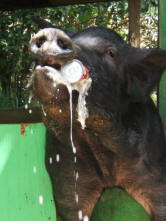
(82,87)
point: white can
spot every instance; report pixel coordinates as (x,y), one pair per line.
(74,71)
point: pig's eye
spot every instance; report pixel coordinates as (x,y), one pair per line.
(40,41)
(62,44)
(111,52)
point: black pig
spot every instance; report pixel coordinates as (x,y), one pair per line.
(123,143)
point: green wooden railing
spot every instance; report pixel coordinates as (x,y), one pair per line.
(162,44)
(25,189)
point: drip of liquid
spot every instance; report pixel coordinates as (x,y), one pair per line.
(72,143)
(34,169)
(71,123)
(77,175)
(75,159)
(76,197)
(50,160)
(82,88)
(40,199)
(57,158)
(80,215)
(86,218)
(45,114)
(30,99)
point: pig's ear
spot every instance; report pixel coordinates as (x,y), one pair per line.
(145,73)
(41,23)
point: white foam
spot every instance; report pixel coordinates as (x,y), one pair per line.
(82,87)
(75,159)
(50,160)
(76,175)
(41,199)
(86,218)
(80,215)
(76,198)
(57,158)
(34,169)
(30,99)
(45,114)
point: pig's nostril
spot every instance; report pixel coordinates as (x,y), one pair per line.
(62,44)
(40,41)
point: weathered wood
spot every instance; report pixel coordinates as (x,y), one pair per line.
(20,115)
(22,4)
(134,24)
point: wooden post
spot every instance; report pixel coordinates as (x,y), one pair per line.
(134,22)
(162,44)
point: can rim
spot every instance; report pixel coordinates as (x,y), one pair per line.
(81,70)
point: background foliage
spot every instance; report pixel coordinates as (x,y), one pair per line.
(16,28)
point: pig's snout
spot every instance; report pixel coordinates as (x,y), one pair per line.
(52,47)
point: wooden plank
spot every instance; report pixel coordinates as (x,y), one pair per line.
(162,44)
(20,115)
(20,4)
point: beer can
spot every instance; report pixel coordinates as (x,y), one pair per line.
(74,71)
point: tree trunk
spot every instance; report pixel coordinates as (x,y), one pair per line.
(134,22)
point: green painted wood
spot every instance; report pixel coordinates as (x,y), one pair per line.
(117,205)
(25,189)
(162,43)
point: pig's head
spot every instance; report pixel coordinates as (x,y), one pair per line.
(121,75)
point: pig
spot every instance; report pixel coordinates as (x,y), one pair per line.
(122,143)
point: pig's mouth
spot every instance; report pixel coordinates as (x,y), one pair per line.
(55,65)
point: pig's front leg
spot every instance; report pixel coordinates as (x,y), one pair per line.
(75,181)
